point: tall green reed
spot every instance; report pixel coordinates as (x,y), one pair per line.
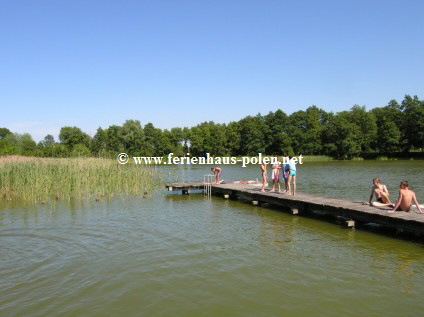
(43,179)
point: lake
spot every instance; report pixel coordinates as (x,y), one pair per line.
(174,255)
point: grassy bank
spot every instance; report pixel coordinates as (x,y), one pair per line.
(317,158)
(43,179)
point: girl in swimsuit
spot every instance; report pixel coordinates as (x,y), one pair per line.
(276,176)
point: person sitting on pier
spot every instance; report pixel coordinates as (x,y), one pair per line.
(406,196)
(276,176)
(381,194)
(217,171)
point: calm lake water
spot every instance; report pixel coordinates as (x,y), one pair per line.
(173,255)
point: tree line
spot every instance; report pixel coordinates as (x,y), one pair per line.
(394,128)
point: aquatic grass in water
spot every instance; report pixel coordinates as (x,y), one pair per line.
(41,179)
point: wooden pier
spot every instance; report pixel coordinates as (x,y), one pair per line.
(303,204)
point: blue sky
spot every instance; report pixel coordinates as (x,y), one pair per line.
(175,63)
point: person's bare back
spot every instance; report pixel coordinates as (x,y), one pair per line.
(406,197)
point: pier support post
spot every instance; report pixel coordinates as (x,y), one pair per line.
(170,188)
(186,191)
(255,202)
(295,211)
(226,196)
(350,223)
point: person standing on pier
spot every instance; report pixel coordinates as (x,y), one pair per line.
(217,171)
(276,167)
(292,175)
(286,172)
(264,176)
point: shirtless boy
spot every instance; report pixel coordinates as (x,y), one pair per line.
(381,193)
(406,196)
(217,171)
(264,176)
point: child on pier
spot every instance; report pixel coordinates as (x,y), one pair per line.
(217,171)
(406,197)
(381,194)
(292,176)
(264,176)
(286,172)
(276,176)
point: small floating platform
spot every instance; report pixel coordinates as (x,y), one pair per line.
(185,187)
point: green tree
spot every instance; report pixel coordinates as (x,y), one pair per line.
(44,147)
(167,145)
(200,140)
(98,143)
(253,131)
(156,143)
(114,139)
(9,144)
(4,132)
(413,124)
(48,140)
(388,137)
(19,144)
(59,150)
(70,136)
(388,121)
(208,137)
(305,129)
(367,125)
(233,137)
(186,139)
(80,150)
(27,144)
(176,137)
(341,137)
(133,138)
(277,140)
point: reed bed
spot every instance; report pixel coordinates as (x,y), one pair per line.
(42,179)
